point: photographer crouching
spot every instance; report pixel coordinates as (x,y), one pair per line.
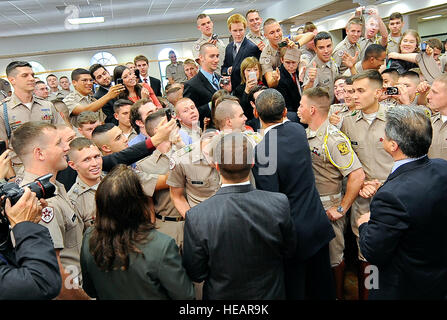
(28,270)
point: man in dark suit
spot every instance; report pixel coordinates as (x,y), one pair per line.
(289,84)
(238,50)
(142,64)
(405,236)
(103,79)
(238,249)
(200,89)
(283,164)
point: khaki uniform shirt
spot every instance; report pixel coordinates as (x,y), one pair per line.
(177,72)
(306,55)
(158,163)
(132,135)
(340,49)
(64,224)
(18,114)
(328,177)
(326,74)
(364,43)
(269,59)
(220,45)
(75,99)
(190,170)
(82,197)
(392,44)
(256,39)
(366,140)
(358,67)
(438,148)
(443,60)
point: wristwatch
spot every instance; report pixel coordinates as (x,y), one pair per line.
(340,209)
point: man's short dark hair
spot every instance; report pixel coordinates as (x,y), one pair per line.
(396,15)
(251,11)
(234,154)
(95,67)
(269,21)
(121,102)
(253,90)
(40,82)
(16,64)
(270,106)
(435,43)
(373,50)
(76,73)
(410,74)
(153,120)
(309,27)
(135,113)
(103,128)
(372,75)
(323,35)
(50,75)
(63,77)
(411,128)
(201,16)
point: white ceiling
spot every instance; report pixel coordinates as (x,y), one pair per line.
(27,17)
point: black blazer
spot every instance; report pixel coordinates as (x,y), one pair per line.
(200,91)
(247,49)
(406,235)
(283,164)
(289,90)
(108,107)
(155,85)
(238,249)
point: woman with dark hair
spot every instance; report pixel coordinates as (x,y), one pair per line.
(123,256)
(134,91)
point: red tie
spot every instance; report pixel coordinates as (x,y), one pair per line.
(294,77)
(145,80)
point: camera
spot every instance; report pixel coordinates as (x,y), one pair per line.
(282,44)
(169,113)
(214,36)
(392,91)
(2,146)
(224,81)
(423,46)
(42,186)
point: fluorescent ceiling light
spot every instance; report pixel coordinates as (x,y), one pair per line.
(432,17)
(86,20)
(218,11)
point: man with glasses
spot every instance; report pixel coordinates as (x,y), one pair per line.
(81,99)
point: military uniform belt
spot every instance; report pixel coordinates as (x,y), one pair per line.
(163,218)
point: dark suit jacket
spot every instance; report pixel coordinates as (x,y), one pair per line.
(247,49)
(238,249)
(200,90)
(108,107)
(289,90)
(30,271)
(155,85)
(283,164)
(406,235)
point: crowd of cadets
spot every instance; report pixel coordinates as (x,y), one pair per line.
(344,117)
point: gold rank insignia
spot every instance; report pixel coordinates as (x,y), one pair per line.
(343,148)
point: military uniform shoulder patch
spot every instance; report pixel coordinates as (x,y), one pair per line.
(47,214)
(171,163)
(343,148)
(197,47)
(266,60)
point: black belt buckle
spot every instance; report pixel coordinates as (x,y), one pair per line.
(164,218)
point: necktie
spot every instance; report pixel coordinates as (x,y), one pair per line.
(234,51)
(294,77)
(215,83)
(145,80)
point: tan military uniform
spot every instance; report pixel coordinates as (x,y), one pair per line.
(306,55)
(64,224)
(158,163)
(392,44)
(256,39)
(132,135)
(366,140)
(82,197)
(358,67)
(329,178)
(340,49)
(438,148)
(190,170)
(326,74)
(176,71)
(19,113)
(220,45)
(75,99)
(443,60)
(364,43)
(269,59)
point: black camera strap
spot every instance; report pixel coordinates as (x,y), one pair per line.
(6,119)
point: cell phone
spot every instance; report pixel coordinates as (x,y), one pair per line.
(2,146)
(392,91)
(214,36)
(119,81)
(168,114)
(423,46)
(137,73)
(252,75)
